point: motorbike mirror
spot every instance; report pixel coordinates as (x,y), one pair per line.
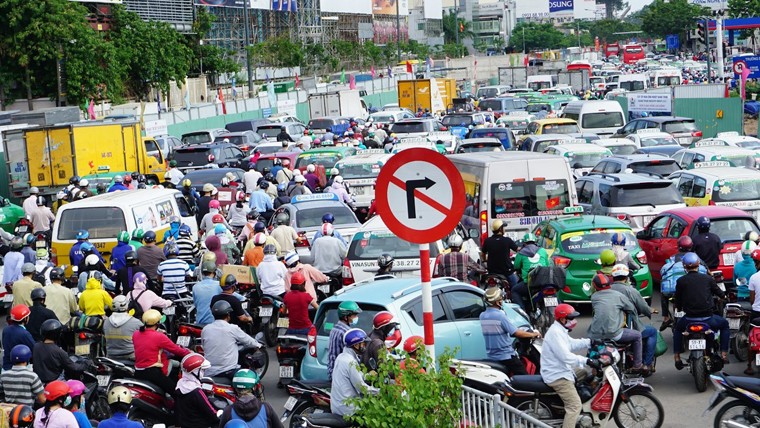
(159,426)
(587,289)
(218,414)
(474,233)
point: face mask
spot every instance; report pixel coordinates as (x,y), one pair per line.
(81,403)
(354,320)
(67,401)
(570,324)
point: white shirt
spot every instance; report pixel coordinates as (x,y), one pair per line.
(557,358)
(754,285)
(250,179)
(30,204)
(176,176)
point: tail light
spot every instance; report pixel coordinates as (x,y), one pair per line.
(287,350)
(304,242)
(54,256)
(602,402)
(245,148)
(623,217)
(711,202)
(266,301)
(549,291)
(321,400)
(348,276)
(696,134)
(483,226)
(696,328)
(560,261)
(82,336)
(183,330)
(311,338)
(644,284)
(642,257)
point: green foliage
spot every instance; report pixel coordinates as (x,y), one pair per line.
(426,400)
(612,6)
(451,25)
(538,36)
(674,17)
(277,52)
(605,29)
(92,67)
(743,8)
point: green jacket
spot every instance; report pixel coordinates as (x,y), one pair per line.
(529,257)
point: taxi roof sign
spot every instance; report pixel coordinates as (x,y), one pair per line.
(648,131)
(573,210)
(727,134)
(711,164)
(577,141)
(314,197)
(713,143)
(371,152)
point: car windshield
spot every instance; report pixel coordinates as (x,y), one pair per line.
(632,85)
(328,317)
(201,176)
(624,150)
(535,108)
(379,117)
(642,194)
(537,86)
(610,119)
(268,132)
(237,140)
(312,217)
(320,124)
(496,105)
(678,126)
(196,138)
(544,144)
(100,222)
(358,170)
(594,241)
(264,163)
(516,124)
(457,120)
(480,147)
(752,144)
(736,189)
(740,159)
(194,157)
(585,160)
(530,198)
(370,245)
(326,159)
(488,92)
(731,229)
(663,168)
(408,127)
(658,141)
(267,149)
(560,128)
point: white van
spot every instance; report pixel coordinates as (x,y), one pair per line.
(666,77)
(633,82)
(542,81)
(520,188)
(598,117)
(104,216)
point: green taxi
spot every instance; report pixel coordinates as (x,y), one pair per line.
(575,242)
(9,214)
(324,156)
(716,150)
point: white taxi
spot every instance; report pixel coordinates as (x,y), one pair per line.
(581,156)
(360,172)
(711,149)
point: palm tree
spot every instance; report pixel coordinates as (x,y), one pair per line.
(452,24)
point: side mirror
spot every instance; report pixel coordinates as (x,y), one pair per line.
(473,233)
(642,234)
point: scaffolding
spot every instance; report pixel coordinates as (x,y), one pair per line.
(228,30)
(178,13)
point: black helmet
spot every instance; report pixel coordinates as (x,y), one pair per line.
(141,179)
(266,170)
(74,180)
(269,177)
(385,260)
(221,309)
(252,215)
(38,294)
(130,257)
(51,329)
(150,236)
(56,274)
(135,175)
(17,243)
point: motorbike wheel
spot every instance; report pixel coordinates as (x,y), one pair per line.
(740,345)
(256,360)
(542,412)
(736,411)
(98,410)
(270,330)
(642,410)
(699,370)
(306,410)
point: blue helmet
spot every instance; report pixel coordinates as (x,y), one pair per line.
(184,230)
(328,218)
(150,236)
(86,247)
(259,226)
(235,423)
(690,260)
(219,229)
(618,239)
(82,235)
(354,336)
(20,354)
(171,249)
(703,223)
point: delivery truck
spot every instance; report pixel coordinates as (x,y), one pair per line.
(337,104)
(46,157)
(427,94)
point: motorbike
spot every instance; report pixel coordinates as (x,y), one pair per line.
(269,311)
(306,398)
(95,397)
(738,315)
(189,336)
(291,348)
(324,420)
(743,408)
(704,353)
(544,302)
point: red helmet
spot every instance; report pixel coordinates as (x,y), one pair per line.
(127,178)
(413,343)
(563,310)
(297,278)
(756,255)
(685,243)
(393,339)
(56,389)
(382,319)
(601,281)
(217,218)
(19,313)
(214,203)
(193,362)
(240,196)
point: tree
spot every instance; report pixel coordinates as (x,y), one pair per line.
(673,17)
(92,68)
(743,8)
(216,60)
(453,25)
(612,6)
(537,36)
(277,52)
(605,29)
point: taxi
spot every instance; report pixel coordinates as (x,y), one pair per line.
(553,126)
(360,172)
(575,242)
(618,146)
(734,139)
(716,150)
(325,157)
(718,183)
(580,155)
(419,142)
(10,214)
(539,143)
(516,121)
(305,213)
(651,137)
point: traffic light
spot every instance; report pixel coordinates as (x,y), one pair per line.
(461,27)
(702,32)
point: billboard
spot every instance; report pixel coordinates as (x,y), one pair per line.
(561,8)
(362,7)
(712,4)
(388,7)
(532,10)
(252,4)
(433,9)
(585,9)
(285,5)
(385,31)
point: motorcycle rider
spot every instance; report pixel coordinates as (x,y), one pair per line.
(498,332)
(383,326)
(151,362)
(94,299)
(455,263)
(49,361)
(137,236)
(496,251)
(188,248)
(284,233)
(283,136)
(328,218)
(150,255)
(77,404)
(285,174)
(53,414)
(255,254)
(347,378)
(93,267)
(13,260)
(42,218)
(272,274)
(204,291)
(328,251)
(310,273)
(172,273)
(236,217)
(298,303)
(260,201)
(22,289)
(210,219)
(76,254)
(119,252)
(118,184)
(694,296)
(228,283)
(20,385)
(385,264)
(227,242)
(173,233)
(204,200)
(622,256)
(222,342)
(60,299)
(670,272)
(707,245)
(248,408)
(744,268)
(15,333)
(118,330)
(125,276)
(559,361)
(119,402)
(348,315)
(192,408)
(527,258)
(38,313)
(144,296)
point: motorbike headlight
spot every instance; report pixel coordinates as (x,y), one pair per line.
(615,355)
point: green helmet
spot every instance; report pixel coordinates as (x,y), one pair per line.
(348,308)
(245,379)
(607,258)
(529,237)
(123,236)
(137,234)
(173,163)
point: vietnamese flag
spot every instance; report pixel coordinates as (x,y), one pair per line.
(552,202)
(409,67)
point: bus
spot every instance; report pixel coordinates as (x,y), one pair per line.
(612,49)
(632,53)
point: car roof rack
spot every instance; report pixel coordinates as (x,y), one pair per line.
(411,288)
(604,175)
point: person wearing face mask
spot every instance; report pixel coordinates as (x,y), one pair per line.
(192,408)
(347,380)
(384,325)
(348,315)
(558,360)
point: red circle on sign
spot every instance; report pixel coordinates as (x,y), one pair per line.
(394,223)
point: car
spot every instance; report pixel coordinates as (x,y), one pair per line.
(305,216)
(504,135)
(323,125)
(553,126)
(374,239)
(267,160)
(456,310)
(246,125)
(734,139)
(632,198)
(460,124)
(659,238)
(327,157)
(684,129)
(202,137)
(472,145)
(418,142)
(245,140)
(618,146)
(517,122)
(166,144)
(416,127)
(491,91)
(283,118)
(716,150)
(639,163)
(200,156)
(652,137)
(503,105)
(585,136)
(271,131)
(539,143)
(199,177)
(267,148)
(360,171)
(106,179)
(388,117)
(581,156)
(575,242)
(10,213)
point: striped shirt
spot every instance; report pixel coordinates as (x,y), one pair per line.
(335,345)
(497,332)
(188,250)
(172,273)
(21,385)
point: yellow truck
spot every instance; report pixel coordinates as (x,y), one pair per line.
(46,157)
(435,95)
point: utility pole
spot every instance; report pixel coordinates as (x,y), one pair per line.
(719,41)
(398,31)
(707,46)
(247,50)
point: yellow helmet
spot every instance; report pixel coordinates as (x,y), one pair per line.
(209,256)
(151,317)
(119,394)
(497,225)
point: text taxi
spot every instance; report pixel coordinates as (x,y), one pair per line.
(715,150)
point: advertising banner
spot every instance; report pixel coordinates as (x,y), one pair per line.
(388,7)
(285,5)
(712,4)
(561,8)
(385,31)
(650,103)
(363,7)
(252,4)
(433,9)
(532,10)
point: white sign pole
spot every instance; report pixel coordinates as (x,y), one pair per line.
(427,302)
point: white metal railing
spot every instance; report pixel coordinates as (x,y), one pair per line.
(483,410)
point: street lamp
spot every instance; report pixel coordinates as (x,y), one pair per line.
(200,42)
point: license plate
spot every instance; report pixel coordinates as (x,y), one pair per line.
(82,349)
(283,322)
(359,190)
(265,311)
(757,359)
(8,298)
(679,314)
(325,288)
(183,341)
(728,259)
(291,403)
(697,345)
(734,323)
(684,140)
(169,311)
(286,372)
(550,301)
(103,380)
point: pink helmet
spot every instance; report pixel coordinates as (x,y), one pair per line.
(327,229)
(214,204)
(77,388)
(259,239)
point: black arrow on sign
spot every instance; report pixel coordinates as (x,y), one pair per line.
(411,186)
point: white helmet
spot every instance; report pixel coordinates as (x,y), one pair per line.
(120,303)
(91,260)
(620,270)
(455,241)
(748,247)
(338,179)
(311,168)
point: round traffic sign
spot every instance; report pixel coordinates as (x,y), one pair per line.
(420,195)
(738,66)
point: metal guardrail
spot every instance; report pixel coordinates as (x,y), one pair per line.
(488,411)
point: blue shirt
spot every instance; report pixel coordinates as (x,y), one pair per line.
(13,335)
(172,273)
(82,420)
(497,332)
(336,234)
(203,292)
(260,201)
(119,420)
(12,263)
(30,256)
(115,188)
(118,255)
(335,345)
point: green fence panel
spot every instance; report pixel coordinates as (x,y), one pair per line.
(713,115)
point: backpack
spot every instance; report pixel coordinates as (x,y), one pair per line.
(671,272)
(754,339)
(39,277)
(133,306)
